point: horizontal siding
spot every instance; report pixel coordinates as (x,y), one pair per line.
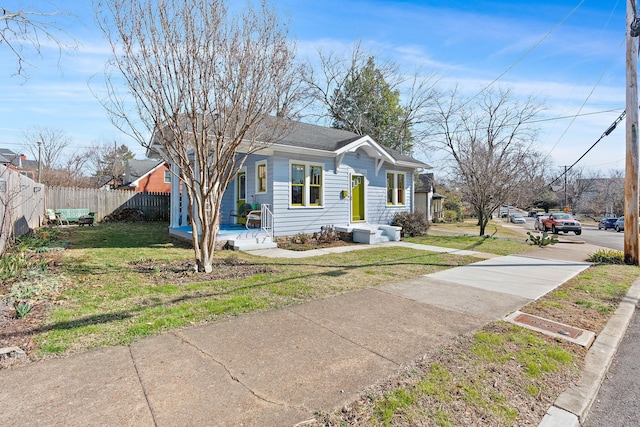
(336,211)
(294,220)
(229,198)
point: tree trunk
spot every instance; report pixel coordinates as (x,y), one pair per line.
(482,221)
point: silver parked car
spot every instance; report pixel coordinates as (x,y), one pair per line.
(517,218)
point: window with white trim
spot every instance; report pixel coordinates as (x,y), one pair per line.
(396,188)
(306,181)
(167,176)
(261,177)
(315,185)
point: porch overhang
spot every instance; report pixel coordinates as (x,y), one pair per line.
(369,146)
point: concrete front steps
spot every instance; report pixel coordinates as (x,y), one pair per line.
(372,234)
(251,240)
(369,234)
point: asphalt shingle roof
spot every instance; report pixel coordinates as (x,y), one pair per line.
(317,137)
(137,168)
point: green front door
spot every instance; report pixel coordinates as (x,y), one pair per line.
(357,198)
(241,194)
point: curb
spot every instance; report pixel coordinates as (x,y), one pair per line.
(573,405)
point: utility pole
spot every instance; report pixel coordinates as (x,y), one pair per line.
(631,204)
(566,207)
(39,161)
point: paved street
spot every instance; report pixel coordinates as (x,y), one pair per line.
(618,402)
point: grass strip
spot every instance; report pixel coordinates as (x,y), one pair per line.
(503,375)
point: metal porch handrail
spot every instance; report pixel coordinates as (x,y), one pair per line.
(266,220)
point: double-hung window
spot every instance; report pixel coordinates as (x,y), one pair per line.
(298,173)
(315,186)
(306,181)
(261,177)
(167,176)
(395,188)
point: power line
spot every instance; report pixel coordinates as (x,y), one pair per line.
(595,86)
(605,133)
(549,119)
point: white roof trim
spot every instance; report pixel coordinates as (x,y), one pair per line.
(371,147)
(423,166)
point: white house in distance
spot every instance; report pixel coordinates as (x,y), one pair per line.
(314,177)
(426,198)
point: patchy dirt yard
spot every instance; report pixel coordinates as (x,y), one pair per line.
(306,245)
(20,332)
(181,272)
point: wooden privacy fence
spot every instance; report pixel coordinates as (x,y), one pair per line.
(21,205)
(104,202)
(154,205)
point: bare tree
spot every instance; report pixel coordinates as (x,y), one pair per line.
(489,142)
(74,168)
(70,173)
(25,30)
(46,145)
(581,186)
(108,160)
(535,178)
(348,91)
(605,195)
(612,193)
(211,86)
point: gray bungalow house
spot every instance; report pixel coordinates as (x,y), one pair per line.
(313,178)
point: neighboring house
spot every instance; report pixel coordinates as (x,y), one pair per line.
(147,176)
(313,178)
(18,162)
(426,198)
(9,158)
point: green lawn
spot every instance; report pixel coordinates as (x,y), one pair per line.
(490,245)
(120,286)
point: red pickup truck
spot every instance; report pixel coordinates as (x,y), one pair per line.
(561,221)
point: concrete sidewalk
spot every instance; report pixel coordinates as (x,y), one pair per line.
(278,368)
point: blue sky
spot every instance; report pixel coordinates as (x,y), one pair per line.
(577,66)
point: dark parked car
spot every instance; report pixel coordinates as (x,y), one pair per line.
(607,223)
(619,225)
